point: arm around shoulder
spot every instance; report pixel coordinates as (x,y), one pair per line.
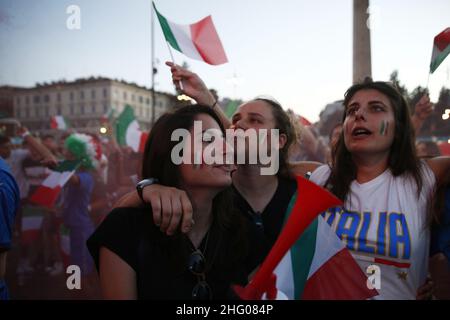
(301,168)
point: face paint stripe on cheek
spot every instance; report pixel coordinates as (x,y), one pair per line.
(384,127)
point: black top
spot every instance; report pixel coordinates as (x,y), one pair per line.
(272,218)
(161,262)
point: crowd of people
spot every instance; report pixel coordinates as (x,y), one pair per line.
(192,231)
(47,237)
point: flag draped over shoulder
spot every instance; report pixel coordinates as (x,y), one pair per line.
(47,193)
(441,49)
(128,132)
(308,260)
(198,41)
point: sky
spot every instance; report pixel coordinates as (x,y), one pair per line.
(297,51)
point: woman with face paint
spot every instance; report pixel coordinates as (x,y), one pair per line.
(137,261)
(385,188)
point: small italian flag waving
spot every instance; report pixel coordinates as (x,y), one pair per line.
(59,122)
(31,223)
(128,132)
(308,260)
(198,41)
(47,193)
(441,49)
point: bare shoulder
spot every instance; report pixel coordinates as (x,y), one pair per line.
(301,168)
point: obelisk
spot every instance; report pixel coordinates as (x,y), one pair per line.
(362,64)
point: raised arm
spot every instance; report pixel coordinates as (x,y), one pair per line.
(422,110)
(194,87)
(48,158)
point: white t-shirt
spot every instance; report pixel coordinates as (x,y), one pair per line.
(384,224)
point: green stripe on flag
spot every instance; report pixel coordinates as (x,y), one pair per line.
(32,211)
(439,58)
(67,165)
(302,252)
(122,123)
(231,108)
(166,30)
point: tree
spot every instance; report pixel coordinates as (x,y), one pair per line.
(396,82)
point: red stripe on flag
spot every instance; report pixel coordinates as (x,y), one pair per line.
(142,141)
(27,237)
(340,278)
(442,40)
(392,263)
(311,201)
(207,42)
(53,123)
(45,196)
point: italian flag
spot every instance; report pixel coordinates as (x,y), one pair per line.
(198,41)
(128,132)
(108,116)
(308,261)
(47,193)
(31,223)
(58,122)
(320,267)
(64,244)
(231,108)
(441,49)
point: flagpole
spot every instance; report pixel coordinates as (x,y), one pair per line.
(428,81)
(173,61)
(153,64)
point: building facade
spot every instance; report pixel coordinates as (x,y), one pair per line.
(85,102)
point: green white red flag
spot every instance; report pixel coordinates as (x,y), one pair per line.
(308,260)
(128,132)
(441,49)
(198,41)
(47,193)
(59,122)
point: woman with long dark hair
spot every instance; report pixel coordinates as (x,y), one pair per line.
(386,189)
(261,198)
(136,260)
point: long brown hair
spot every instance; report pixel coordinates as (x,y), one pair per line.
(402,156)
(157,163)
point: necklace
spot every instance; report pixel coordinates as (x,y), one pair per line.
(204,242)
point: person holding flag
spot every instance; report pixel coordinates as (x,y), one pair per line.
(385,189)
(270,201)
(79,148)
(137,261)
